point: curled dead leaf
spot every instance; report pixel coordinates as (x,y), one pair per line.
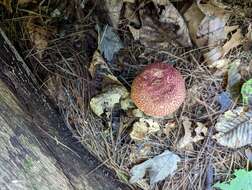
(166,26)
(219,52)
(187,140)
(97,60)
(98,66)
(144,127)
(127,104)
(169,126)
(107,99)
(171,15)
(193,17)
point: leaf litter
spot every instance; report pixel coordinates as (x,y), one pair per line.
(212,43)
(158,167)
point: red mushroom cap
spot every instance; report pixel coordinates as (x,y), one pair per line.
(159,90)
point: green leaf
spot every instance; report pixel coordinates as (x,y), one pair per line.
(242,181)
(246,92)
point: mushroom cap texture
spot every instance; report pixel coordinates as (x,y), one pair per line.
(159,90)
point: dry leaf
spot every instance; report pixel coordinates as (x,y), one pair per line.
(234,128)
(193,17)
(127,104)
(234,79)
(171,15)
(39,36)
(235,41)
(6,4)
(169,126)
(97,60)
(131,14)
(98,66)
(213,8)
(187,140)
(107,99)
(135,32)
(207,23)
(138,113)
(162,29)
(114,10)
(144,127)
(211,31)
(109,42)
(220,64)
(159,168)
(139,152)
(219,52)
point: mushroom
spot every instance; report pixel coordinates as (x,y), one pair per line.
(159,90)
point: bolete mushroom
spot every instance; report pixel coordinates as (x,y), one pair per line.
(159,90)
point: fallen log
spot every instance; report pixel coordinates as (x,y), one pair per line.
(37,151)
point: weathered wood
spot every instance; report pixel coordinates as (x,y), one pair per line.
(24,164)
(36,149)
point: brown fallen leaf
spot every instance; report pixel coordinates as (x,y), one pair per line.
(114,10)
(162,27)
(207,25)
(213,8)
(39,35)
(139,152)
(212,30)
(235,41)
(97,60)
(135,32)
(169,126)
(6,4)
(187,140)
(171,15)
(193,17)
(99,66)
(131,14)
(144,127)
(219,52)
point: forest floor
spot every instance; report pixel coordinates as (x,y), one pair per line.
(86,54)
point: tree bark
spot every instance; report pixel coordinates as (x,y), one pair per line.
(37,151)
